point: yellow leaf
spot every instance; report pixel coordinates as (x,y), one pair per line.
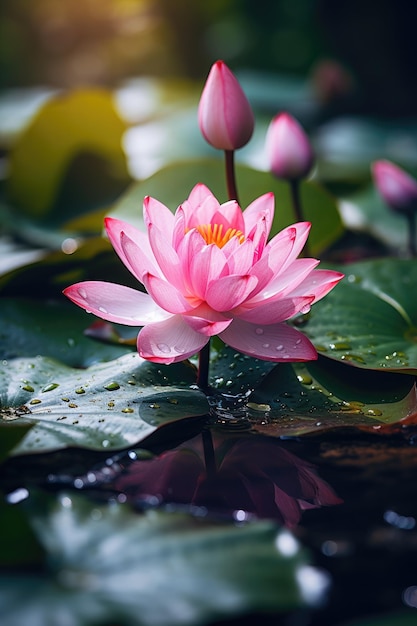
(74,123)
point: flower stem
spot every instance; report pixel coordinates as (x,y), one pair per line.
(412,234)
(203,367)
(209,456)
(230,175)
(296,203)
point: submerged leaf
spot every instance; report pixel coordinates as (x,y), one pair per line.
(108,565)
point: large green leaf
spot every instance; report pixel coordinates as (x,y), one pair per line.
(172,184)
(370,319)
(108,565)
(29,328)
(107,406)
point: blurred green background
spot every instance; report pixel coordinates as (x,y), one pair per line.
(95,94)
(360,53)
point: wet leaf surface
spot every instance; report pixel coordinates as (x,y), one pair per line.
(370,319)
(107,406)
(294,400)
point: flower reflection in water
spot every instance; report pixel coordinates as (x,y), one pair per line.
(226,474)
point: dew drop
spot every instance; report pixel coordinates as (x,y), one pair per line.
(352,357)
(163,347)
(28,388)
(265,345)
(254,406)
(35,401)
(102,309)
(259,331)
(297,343)
(172,400)
(80,390)
(374,412)
(71,342)
(50,387)
(279,348)
(105,443)
(128,409)
(179,349)
(340,345)
(112,386)
(305,379)
(82,292)
(154,405)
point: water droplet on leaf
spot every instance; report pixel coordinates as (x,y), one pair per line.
(50,387)
(112,386)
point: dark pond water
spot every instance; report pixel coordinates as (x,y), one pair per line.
(351,498)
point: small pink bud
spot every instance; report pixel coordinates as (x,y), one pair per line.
(225,116)
(397,188)
(288,148)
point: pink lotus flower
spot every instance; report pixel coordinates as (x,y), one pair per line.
(209,270)
(288,148)
(397,188)
(224,115)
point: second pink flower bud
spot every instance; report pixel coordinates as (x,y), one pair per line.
(396,187)
(289,151)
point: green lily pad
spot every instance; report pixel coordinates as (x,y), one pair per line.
(321,396)
(67,132)
(107,406)
(172,184)
(370,319)
(109,565)
(55,329)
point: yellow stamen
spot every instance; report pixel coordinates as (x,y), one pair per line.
(213,233)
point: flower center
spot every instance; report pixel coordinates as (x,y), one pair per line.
(213,233)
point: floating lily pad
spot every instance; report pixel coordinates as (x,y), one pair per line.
(300,399)
(370,319)
(172,184)
(107,406)
(108,565)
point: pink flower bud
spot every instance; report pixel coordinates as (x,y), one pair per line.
(397,188)
(288,148)
(224,114)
